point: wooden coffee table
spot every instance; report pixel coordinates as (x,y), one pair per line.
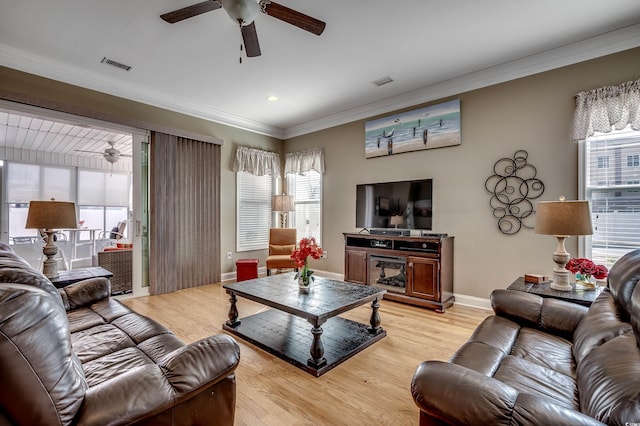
(284,331)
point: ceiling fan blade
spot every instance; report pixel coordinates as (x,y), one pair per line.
(190,11)
(293,17)
(250,39)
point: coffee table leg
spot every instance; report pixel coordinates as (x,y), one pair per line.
(375,318)
(233,311)
(317,359)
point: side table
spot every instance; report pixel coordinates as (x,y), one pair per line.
(74,275)
(579,296)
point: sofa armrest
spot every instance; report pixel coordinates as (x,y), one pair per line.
(85,292)
(454,394)
(137,394)
(199,363)
(557,316)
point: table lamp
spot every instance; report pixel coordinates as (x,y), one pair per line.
(283,204)
(396,221)
(49,216)
(562,219)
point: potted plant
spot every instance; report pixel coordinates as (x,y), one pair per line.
(307,247)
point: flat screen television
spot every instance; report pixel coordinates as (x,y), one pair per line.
(403,205)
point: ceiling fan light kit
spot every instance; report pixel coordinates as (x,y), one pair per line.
(244,12)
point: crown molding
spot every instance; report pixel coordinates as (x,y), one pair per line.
(45,67)
(605,44)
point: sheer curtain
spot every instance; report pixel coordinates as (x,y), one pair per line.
(185,213)
(607,108)
(303,161)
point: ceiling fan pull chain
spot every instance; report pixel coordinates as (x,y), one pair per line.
(241,43)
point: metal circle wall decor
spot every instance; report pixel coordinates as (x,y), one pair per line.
(513,185)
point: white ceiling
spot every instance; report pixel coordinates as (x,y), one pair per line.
(431,49)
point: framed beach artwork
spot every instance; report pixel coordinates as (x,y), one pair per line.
(434,126)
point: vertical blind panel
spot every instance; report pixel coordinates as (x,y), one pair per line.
(185,227)
(254,194)
(613,189)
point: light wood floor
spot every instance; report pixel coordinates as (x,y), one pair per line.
(371,388)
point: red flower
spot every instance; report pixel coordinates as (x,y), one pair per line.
(306,247)
(585,266)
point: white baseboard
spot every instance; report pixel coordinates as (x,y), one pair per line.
(474,302)
(461,299)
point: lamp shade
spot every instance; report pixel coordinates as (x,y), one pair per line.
(396,220)
(282,203)
(563,218)
(51,215)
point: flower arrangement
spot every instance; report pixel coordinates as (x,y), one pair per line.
(587,268)
(306,247)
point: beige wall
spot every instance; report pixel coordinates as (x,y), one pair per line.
(533,114)
(83,99)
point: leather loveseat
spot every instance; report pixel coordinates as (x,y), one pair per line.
(543,361)
(77,356)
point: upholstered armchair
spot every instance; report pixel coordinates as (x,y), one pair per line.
(282,242)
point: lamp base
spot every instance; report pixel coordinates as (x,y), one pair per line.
(50,265)
(561,280)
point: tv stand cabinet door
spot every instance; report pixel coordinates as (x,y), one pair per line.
(423,278)
(355,266)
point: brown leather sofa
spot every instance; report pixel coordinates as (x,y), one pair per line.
(543,362)
(77,356)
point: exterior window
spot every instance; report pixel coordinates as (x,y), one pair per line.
(307,195)
(613,193)
(603,162)
(103,200)
(26,182)
(633,160)
(253,195)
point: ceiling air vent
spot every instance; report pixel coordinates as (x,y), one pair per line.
(116,64)
(382,81)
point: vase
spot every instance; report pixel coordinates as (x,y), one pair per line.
(304,284)
(585,282)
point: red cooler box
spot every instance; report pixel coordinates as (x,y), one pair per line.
(246,269)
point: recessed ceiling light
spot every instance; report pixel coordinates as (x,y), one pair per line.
(272,98)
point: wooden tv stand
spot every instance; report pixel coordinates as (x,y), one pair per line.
(425,263)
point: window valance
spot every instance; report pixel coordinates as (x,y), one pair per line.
(303,161)
(256,161)
(607,108)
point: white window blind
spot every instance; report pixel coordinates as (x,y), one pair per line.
(254,194)
(26,182)
(97,188)
(307,194)
(613,193)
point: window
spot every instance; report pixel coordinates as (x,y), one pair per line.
(26,182)
(254,194)
(603,162)
(307,195)
(613,193)
(103,198)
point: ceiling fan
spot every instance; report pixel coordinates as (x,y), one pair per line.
(111,154)
(244,13)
